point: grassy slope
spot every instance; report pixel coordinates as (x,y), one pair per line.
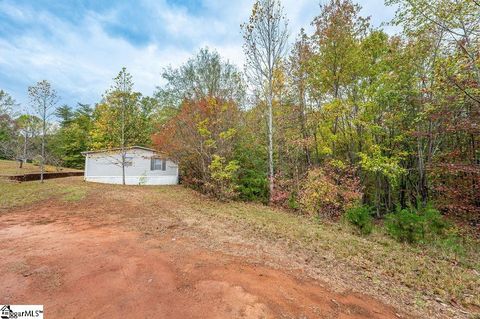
(424,272)
(11,168)
(430,271)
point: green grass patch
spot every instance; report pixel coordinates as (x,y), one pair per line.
(74,194)
(13,194)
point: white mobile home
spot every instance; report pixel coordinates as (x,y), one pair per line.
(143,166)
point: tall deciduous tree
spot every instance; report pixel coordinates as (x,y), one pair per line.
(29,127)
(204,75)
(298,76)
(201,137)
(121,90)
(7,105)
(265,40)
(43,99)
(122,119)
(447,37)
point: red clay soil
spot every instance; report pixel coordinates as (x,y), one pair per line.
(80,267)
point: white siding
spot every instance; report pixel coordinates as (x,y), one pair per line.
(106,168)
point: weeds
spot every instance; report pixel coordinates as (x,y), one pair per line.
(361,218)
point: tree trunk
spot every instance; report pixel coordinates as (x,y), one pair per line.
(123,166)
(422,182)
(303,127)
(317,152)
(377,195)
(123,142)
(44,126)
(403,197)
(270,139)
(24,159)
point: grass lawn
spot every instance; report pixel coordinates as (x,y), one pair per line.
(12,168)
(419,276)
(14,194)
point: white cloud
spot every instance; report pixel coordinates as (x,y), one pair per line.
(81,58)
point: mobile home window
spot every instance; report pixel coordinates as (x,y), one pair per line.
(159,164)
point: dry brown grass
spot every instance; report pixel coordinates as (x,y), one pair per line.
(12,168)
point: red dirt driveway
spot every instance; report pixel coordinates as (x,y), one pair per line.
(79,267)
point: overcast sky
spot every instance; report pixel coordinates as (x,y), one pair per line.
(80,45)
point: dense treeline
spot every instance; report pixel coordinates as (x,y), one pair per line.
(358,115)
(348,116)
